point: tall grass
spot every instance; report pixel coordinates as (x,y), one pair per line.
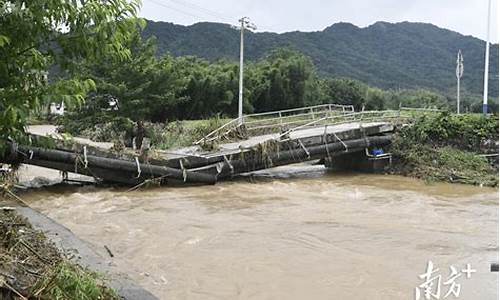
(71,282)
(181,133)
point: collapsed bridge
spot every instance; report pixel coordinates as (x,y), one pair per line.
(255,142)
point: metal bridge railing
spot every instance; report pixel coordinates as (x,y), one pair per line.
(275,121)
(286,121)
(279,121)
(359,117)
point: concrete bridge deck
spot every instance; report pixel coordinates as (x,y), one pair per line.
(235,148)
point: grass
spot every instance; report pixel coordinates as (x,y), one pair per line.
(181,133)
(443,164)
(175,134)
(70,281)
(445,147)
(31,266)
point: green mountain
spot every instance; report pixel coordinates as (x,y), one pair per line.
(386,55)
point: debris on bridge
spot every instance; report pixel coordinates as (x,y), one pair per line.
(259,141)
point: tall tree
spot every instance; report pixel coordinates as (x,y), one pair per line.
(346,91)
(37,35)
(287,76)
(146,87)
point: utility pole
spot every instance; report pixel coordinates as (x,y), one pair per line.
(244,24)
(487,62)
(459,73)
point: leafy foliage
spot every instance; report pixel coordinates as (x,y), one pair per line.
(38,35)
(442,164)
(389,56)
(169,88)
(283,79)
(181,133)
(445,147)
(178,88)
(467,131)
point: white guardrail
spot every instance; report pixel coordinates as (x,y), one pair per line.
(276,120)
(288,120)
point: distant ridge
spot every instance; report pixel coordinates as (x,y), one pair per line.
(387,55)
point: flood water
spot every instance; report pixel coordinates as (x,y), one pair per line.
(296,232)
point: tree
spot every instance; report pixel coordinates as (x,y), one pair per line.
(418,98)
(346,91)
(375,99)
(286,81)
(212,88)
(146,87)
(38,36)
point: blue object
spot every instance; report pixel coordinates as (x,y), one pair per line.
(377,151)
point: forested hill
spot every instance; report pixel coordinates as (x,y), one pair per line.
(387,55)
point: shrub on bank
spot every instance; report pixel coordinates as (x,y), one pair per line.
(98,127)
(180,133)
(102,128)
(442,164)
(471,132)
(446,148)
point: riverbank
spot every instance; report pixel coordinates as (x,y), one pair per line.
(449,148)
(32,267)
(42,259)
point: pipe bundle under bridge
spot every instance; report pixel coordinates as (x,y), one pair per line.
(257,142)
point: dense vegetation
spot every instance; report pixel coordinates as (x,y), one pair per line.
(108,59)
(38,36)
(447,147)
(388,56)
(167,88)
(95,54)
(163,89)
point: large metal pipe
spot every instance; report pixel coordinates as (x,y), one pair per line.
(124,171)
(104,174)
(238,166)
(116,165)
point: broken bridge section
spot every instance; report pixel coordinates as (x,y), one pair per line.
(257,142)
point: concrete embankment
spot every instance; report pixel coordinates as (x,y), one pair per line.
(81,253)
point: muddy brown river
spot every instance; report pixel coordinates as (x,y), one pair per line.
(296,232)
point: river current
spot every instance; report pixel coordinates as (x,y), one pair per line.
(295,232)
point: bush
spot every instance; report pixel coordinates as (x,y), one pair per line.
(180,133)
(99,128)
(443,164)
(445,147)
(472,132)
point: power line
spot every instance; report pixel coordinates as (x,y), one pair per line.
(175,9)
(207,12)
(202,9)
(191,6)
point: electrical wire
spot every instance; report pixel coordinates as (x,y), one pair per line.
(175,9)
(202,9)
(189,6)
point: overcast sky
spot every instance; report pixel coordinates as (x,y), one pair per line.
(465,16)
